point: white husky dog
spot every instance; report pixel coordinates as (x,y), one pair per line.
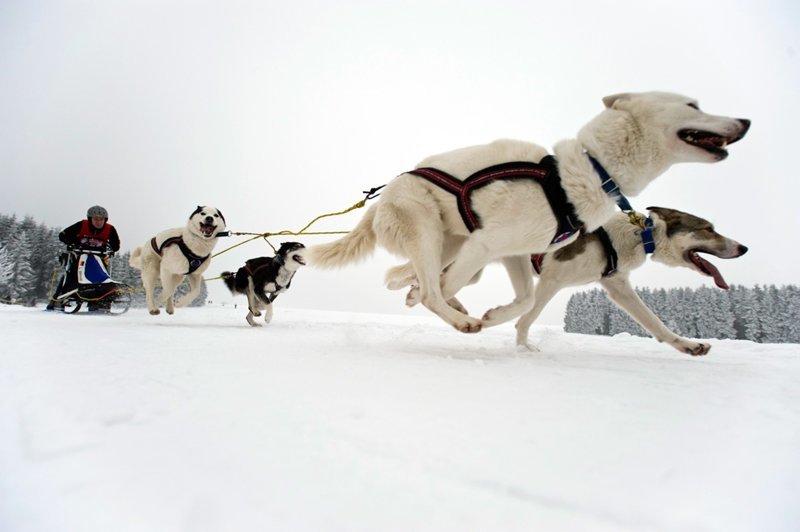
(173,253)
(452,211)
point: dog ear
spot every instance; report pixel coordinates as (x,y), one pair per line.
(611,102)
(223,218)
(198,209)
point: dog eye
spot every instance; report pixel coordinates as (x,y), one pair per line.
(693,106)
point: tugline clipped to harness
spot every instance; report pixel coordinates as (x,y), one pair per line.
(372,193)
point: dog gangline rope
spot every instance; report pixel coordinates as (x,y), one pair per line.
(370,194)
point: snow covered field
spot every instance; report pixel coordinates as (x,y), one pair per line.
(325,421)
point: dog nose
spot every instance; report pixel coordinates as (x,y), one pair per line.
(745,124)
(209,219)
(742,250)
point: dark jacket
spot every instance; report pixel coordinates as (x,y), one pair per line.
(90,238)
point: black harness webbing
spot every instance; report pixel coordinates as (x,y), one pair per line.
(611,255)
(545,173)
(195,261)
(251,270)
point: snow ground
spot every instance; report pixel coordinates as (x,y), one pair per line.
(325,421)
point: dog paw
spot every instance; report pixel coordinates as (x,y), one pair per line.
(469,327)
(525,347)
(412,298)
(699,349)
(257,313)
(691,348)
(155,312)
(170,311)
(493,317)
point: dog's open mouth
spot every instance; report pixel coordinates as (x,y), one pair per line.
(706,267)
(299,259)
(708,141)
(207,229)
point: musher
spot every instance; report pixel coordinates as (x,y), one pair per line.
(94,234)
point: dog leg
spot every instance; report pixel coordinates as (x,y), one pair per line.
(251,321)
(413,228)
(412,298)
(252,303)
(520,272)
(194,286)
(268,313)
(400,276)
(545,290)
(169,282)
(622,293)
(430,293)
(403,275)
(149,278)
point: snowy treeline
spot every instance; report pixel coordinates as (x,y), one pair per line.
(29,264)
(28,255)
(761,314)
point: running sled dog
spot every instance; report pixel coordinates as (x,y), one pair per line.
(264,278)
(609,255)
(175,253)
(509,199)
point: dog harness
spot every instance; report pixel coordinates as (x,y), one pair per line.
(251,271)
(195,261)
(646,234)
(610,187)
(611,254)
(545,173)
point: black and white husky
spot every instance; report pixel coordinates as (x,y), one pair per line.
(263,278)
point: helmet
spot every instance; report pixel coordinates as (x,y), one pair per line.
(97,210)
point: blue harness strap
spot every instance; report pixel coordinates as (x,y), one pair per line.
(545,173)
(648,241)
(609,186)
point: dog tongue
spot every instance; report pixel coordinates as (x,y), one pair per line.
(711,270)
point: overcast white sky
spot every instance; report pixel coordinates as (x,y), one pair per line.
(276,112)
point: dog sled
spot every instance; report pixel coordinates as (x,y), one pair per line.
(86,280)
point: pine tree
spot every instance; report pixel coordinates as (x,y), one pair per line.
(23,278)
(792,297)
(6,272)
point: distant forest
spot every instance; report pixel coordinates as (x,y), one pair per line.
(29,265)
(762,314)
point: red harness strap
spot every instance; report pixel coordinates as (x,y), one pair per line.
(536,262)
(545,173)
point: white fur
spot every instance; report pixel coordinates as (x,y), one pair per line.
(173,265)
(635,138)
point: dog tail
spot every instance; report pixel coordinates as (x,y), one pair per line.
(354,246)
(136,258)
(229,278)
